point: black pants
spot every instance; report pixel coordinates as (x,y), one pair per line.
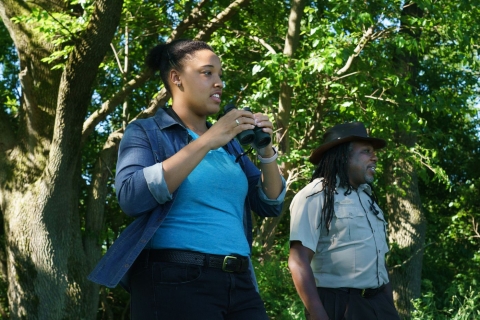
(177,291)
(341,305)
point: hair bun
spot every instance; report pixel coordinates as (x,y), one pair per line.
(156,56)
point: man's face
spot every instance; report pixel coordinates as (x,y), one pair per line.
(362,163)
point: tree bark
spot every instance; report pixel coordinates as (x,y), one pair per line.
(46,261)
(407,229)
(407,222)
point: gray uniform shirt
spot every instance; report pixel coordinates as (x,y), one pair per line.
(353,253)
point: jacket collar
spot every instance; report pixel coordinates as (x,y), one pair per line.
(165,120)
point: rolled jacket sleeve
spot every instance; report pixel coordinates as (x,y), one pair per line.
(156,183)
(263,197)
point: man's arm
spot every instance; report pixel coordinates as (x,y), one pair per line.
(302,275)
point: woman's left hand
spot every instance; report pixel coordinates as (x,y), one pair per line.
(262,121)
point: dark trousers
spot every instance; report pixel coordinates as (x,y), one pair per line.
(341,305)
(166,290)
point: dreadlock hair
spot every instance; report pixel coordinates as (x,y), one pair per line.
(333,163)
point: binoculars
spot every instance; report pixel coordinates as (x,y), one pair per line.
(256,136)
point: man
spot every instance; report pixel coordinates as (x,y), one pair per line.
(338,232)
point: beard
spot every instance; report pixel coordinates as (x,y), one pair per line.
(369,178)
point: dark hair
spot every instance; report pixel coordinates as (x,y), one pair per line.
(333,163)
(167,56)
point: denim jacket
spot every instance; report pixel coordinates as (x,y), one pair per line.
(151,141)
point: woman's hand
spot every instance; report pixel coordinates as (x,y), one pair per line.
(228,126)
(262,121)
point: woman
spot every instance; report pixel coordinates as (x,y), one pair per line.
(191,189)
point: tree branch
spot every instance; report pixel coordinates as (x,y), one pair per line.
(220,19)
(107,107)
(362,43)
(193,18)
(256,39)
(116,58)
(96,198)
(139,80)
(382,99)
(475,228)
(77,78)
(411,257)
(345,75)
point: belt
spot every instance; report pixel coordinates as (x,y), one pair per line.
(366,293)
(229,263)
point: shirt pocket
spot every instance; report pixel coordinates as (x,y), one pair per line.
(351,223)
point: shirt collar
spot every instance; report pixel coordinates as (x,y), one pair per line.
(363,187)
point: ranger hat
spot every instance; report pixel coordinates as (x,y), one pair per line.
(341,133)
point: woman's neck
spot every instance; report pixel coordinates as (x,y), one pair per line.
(192,121)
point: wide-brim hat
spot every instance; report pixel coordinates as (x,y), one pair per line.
(341,133)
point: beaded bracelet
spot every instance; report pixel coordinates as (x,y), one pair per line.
(268,160)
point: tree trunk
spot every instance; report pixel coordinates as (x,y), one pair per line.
(283,117)
(407,222)
(41,173)
(407,228)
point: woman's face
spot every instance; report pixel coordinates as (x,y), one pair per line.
(201,83)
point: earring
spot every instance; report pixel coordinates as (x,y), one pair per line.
(178,84)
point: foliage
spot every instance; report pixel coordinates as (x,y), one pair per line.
(9,93)
(439,109)
(60,28)
(276,286)
(460,303)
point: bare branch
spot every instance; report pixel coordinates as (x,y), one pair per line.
(109,106)
(422,158)
(256,39)
(382,99)
(411,257)
(293,175)
(264,43)
(344,76)
(362,43)
(116,57)
(219,20)
(194,17)
(382,33)
(160,100)
(475,228)
(406,5)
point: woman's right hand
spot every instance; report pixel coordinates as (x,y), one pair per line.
(227,127)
